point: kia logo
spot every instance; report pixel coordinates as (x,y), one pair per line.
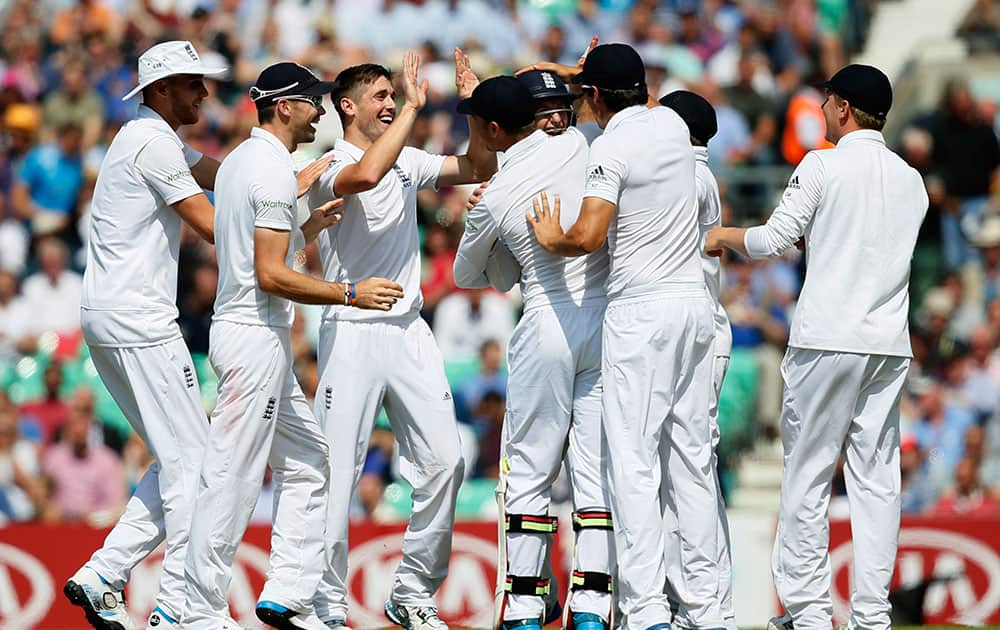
(39,593)
(923,553)
(464,599)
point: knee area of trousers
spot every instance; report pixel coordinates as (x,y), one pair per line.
(531,524)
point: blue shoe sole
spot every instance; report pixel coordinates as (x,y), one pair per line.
(276,616)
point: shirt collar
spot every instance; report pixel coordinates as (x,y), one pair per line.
(624,115)
(271,139)
(148,113)
(350,149)
(526,145)
(701,154)
(862,135)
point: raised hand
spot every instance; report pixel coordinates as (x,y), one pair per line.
(308,176)
(330,213)
(583,57)
(414,92)
(465,79)
(377,294)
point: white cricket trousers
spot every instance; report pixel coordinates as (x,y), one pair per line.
(676,556)
(554,407)
(396,363)
(657,379)
(838,402)
(261,418)
(157,390)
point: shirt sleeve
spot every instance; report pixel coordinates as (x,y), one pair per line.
(606,173)
(273,200)
(425,167)
(789,221)
(162,165)
(322,191)
(480,236)
(192,156)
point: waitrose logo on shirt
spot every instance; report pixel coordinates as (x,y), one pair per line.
(173,177)
(270,204)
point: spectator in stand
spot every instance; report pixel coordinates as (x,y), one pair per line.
(491,376)
(376,473)
(805,127)
(49,413)
(52,295)
(489,425)
(982,380)
(21,488)
(467,319)
(197,307)
(917,147)
(915,494)
(14,318)
(756,109)
(966,155)
(87,479)
(75,104)
(702,38)
(49,180)
(940,431)
(934,330)
(439,258)
(981,278)
(84,18)
(968,497)
(20,125)
(135,461)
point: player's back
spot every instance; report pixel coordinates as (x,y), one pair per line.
(556,165)
(246,182)
(710,216)
(858,249)
(134,235)
(644,164)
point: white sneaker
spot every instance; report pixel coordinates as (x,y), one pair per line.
(783,622)
(103,606)
(414,617)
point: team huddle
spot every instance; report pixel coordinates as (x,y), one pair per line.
(599,202)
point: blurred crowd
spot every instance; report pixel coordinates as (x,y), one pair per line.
(66,453)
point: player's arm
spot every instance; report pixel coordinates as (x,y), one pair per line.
(275,278)
(482,259)
(383,153)
(788,222)
(479,163)
(587,234)
(198,212)
(204,171)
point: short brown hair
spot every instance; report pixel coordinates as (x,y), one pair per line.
(349,79)
(863,118)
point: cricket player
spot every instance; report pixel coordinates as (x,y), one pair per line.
(554,404)
(699,116)
(658,336)
(262,417)
(149,182)
(391,356)
(859,207)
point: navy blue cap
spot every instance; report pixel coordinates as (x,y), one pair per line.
(285,80)
(695,111)
(613,67)
(543,84)
(503,100)
(864,87)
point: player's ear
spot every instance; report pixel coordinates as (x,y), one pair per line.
(347,106)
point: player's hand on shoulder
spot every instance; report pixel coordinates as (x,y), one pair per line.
(377,294)
(415,92)
(308,176)
(545,220)
(476,196)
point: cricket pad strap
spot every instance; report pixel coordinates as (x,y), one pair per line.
(592,518)
(590,581)
(531,524)
(526,585)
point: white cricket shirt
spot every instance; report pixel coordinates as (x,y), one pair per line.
(643,163)
(710,216)
(255,187)
(130,283)
(859,206)
(378,235)
(539,162)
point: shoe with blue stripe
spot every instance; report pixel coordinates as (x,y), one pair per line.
(588,621)
(284,618)
(522,624)
(337,624)
(414,617)
(103,606)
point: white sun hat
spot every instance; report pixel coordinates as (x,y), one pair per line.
(169,59)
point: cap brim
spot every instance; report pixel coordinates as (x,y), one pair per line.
(197,69)
(320,88)
(579,78)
